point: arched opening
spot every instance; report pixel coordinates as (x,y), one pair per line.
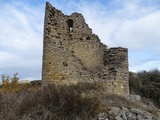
(70,25)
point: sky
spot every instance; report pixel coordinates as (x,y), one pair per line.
(133,24)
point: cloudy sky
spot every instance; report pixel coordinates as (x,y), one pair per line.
(134,24)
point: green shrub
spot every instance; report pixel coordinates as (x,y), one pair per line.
(147,84)
(135,83)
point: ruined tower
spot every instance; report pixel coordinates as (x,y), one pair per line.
(72,53)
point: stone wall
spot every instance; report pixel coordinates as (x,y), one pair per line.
(72,53)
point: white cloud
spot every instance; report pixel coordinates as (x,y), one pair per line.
(146,66)
(21,35)
(139,33)
(17,29)
(13,60)
(5,56)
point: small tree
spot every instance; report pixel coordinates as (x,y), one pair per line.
(10,85)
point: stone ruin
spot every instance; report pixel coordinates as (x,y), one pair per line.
(72,53)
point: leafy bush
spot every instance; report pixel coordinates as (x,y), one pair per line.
(150,76)
(135,84)
(147,84)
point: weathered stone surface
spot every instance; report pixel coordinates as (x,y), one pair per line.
(133,98)
(71,52)
(102,116)
(124,117)
(115,110)
(115,113)
(124,109)
(118,118)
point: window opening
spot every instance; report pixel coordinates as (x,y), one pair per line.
(70,25)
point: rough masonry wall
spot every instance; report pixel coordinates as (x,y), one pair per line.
(72,53)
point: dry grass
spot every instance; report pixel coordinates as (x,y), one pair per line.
(48,102)
(83,101)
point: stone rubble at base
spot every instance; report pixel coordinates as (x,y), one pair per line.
(116,113)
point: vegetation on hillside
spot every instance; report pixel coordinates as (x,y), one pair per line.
(47,101)
(146,84)
(83,101)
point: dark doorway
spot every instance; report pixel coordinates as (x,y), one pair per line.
(70,25)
